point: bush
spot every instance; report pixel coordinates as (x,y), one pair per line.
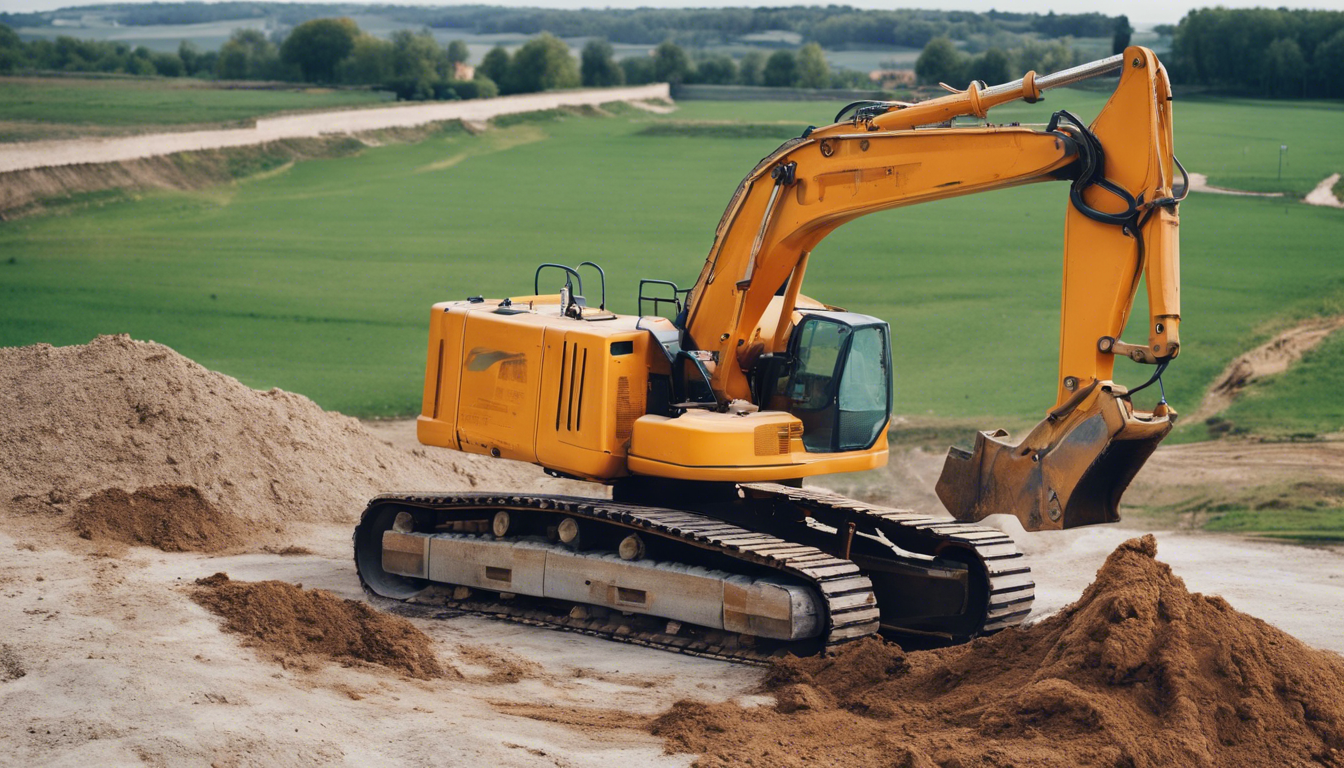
(420,89)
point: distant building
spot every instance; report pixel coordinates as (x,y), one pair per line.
(463,71)
(892,78)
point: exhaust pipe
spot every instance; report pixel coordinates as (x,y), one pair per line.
(1069,472)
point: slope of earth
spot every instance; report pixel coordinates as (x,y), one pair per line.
(37,108)
(123,414)
(1138,672)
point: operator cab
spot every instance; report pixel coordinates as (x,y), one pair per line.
(837,380)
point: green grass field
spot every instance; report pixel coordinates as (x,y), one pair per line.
(1305,511)
(117,102)
(319,279)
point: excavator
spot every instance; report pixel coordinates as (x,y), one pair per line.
(704,414)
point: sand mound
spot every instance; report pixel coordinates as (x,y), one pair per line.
(292,624)
(117,413)
(1139,672)
(174,518)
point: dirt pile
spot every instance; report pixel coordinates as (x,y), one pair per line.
(173,518)
(295,625)
(1139,672)
(123,414)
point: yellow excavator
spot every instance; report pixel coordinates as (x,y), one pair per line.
(705,413)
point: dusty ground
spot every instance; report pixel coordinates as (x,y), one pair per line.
(106,658)
(121,666)
(42,154)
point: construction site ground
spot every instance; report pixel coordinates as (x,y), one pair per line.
(107,658)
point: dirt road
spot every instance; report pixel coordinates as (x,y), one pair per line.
(42,154)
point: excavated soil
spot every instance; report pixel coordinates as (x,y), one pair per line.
(173,518)
(1272,357)
(115,417)
(1138,672)
(294,626)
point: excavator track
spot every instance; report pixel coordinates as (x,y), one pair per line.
(1010,589)
(850,606)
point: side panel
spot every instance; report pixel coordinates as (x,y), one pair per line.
(593,389)
(437,424)
(500,361)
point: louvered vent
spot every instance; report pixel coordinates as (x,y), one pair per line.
(626,411)
(573,376)
(773,439)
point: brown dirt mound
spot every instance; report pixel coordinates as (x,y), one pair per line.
(118,413)
(292,624)
(174,518)
(1271,358)
(1139,672)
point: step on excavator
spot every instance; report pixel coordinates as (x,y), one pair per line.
(705,413)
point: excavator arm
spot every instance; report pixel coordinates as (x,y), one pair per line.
(1121,225)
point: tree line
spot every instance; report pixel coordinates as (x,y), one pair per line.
(1261,52)
(328,51)
(942,62)
(413,65)
(830,26)
(670,63)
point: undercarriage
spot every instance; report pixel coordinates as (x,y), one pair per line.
(747,572)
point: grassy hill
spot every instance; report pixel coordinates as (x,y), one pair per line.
(319,279)
(33,108)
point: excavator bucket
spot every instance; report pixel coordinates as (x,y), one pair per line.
(1069,472)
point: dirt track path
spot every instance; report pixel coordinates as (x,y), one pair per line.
(1324,193)
(43,154)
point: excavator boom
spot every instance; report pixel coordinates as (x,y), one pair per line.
(1121,226)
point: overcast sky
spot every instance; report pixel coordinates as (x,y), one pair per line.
(1142,11)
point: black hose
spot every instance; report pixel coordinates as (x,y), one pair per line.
(1092,172)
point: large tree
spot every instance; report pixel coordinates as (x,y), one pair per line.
(750,70)
(542,64)
(316,47)
(1285,73)
(939,62)
(671,64)
(370,62)
(598,66)
(247,55)
(458,53)
(993,67)
(495,65)
(417,56)
(718,69)
(781,70)
(1330,65)
(813,71)
(1120,38)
